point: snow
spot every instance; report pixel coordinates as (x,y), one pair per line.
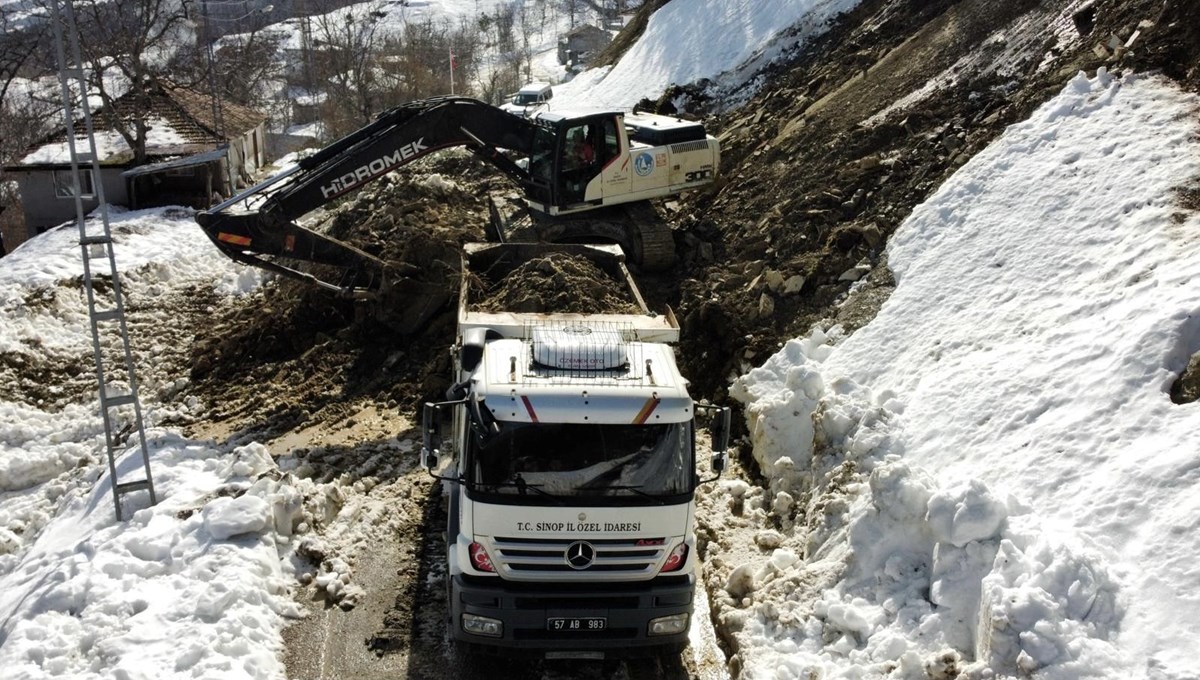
(690,40)
(1008,413)
(160,136)
(987,478)
(194,585)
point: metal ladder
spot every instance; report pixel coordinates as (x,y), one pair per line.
(110,335)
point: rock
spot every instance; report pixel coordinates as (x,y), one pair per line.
(766,305)
(773,279)
(793,284)
(856,272)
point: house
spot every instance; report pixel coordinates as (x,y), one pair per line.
(581,43)
(196,148)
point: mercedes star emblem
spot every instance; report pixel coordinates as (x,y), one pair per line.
(580,555)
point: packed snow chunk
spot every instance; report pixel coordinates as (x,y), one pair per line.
(252,460)
(852,616)
(768,539)
(1050,604)
(890,530)
(741,581)
(226,517)
(955,587)
(782,558)
(781,397)
(962,515)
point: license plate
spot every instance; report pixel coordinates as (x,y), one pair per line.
(577,625)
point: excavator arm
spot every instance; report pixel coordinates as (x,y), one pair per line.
(258,226)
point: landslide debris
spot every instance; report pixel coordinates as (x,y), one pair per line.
(842,138)
(292,355)
(833,145)
(556,282)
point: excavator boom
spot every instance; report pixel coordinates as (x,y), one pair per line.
(267,235)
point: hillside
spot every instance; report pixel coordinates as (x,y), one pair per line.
(902,156)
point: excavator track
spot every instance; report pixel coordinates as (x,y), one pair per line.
(637,227)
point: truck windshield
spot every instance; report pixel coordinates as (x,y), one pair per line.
(576,461)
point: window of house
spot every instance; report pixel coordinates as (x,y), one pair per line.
(64,183)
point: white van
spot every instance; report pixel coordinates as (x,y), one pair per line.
(529,99)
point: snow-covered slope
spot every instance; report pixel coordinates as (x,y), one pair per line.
(1006,416)
(690,40)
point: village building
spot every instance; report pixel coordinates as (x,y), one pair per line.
(582,43)
(196,151)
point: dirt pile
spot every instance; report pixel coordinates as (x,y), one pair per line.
(846,137)
(293,355)
(556,282)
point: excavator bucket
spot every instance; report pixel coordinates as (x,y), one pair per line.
(408,305)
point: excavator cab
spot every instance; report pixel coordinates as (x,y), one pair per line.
(570,151)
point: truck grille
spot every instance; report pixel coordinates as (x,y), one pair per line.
(528,558)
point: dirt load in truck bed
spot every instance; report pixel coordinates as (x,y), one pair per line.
(555,282)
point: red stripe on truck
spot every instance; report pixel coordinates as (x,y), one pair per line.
(529,408)
(642,415)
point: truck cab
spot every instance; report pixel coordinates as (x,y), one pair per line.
(571,487)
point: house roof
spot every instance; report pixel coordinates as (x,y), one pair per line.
(181,122)
(586,30)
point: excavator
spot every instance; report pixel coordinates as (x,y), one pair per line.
(583,177)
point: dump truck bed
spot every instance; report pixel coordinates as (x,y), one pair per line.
(500,260)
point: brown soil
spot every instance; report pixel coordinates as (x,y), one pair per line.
(557,282)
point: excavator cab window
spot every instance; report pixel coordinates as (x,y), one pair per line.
(579,164)
(541,165)
(612,142)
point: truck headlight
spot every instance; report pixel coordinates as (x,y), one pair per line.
(668,625)
(482,625)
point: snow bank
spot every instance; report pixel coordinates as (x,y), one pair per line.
(190,587)
(690,40)
(996,479)
(167,237)
(194,586)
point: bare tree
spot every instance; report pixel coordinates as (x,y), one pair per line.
(497,31)
(21,42)
(139,41)
(348,44)
(245,64)
(23,119)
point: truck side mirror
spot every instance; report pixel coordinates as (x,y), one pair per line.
(720,430)
(432,438)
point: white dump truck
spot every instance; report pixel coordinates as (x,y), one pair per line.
(568,450)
